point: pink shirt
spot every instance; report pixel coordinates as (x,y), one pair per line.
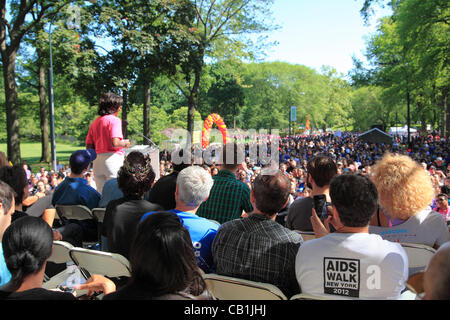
(102,130)
(445,213)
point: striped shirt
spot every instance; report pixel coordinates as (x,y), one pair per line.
(258,249)
(227,199)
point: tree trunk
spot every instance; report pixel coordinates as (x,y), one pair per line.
(190,119)
(446,108)
(193,95)
(12,110)
(192,104)
(423,118)
(147,96)
(125,113)
(408,114)
(43,110)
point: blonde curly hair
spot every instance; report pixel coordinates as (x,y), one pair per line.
(404,187)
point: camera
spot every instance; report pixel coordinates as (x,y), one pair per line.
(320,202)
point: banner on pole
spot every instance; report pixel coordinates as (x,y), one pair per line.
(293,113)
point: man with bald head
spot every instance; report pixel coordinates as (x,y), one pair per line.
(436,280)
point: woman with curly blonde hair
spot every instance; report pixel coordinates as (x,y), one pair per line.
(406,193)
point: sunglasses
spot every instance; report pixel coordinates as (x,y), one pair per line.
(440,200)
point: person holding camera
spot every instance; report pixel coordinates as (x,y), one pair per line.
(350,263)
(320,171)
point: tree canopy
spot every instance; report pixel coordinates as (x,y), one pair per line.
(175,62)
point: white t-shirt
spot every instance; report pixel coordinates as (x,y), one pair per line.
(352,266)
(427,227)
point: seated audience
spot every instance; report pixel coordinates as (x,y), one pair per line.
(6,211)
(406,192)
(258,248)
(351,263)
(442,206)
(163,191)
(320,170)
(122,216)
(227,186)
(163,265)
(27,245)
(192,188)
(111,191)
(16,178)
(74,190)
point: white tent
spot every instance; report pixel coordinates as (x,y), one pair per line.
(401,131)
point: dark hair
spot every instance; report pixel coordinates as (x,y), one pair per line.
(322,169)
(271,192)
(109,103)
(136,175)
(6,196)
(27,244)
(16,178)
(162,257)
(442,195)
(177,167)
(231,153)
(355,198)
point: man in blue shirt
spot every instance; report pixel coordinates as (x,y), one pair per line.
(7,208)
(76,190)
(193,186)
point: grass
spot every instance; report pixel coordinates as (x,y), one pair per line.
(31,152)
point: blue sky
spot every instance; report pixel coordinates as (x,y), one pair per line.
(317,32)
(320,32)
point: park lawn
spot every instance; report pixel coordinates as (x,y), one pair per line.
(31,152)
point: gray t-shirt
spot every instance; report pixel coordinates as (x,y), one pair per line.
(299,215)
(427,227)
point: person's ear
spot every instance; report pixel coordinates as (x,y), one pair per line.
(335,220)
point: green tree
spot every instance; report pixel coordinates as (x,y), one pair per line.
(12,32)
(218,24)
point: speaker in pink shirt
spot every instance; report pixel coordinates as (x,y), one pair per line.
(106,138)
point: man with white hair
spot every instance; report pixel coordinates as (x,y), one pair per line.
(193,186)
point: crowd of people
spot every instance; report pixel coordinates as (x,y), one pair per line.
(242,218)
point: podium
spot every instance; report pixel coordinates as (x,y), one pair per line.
(154,156)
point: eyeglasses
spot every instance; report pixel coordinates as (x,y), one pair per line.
(440,200)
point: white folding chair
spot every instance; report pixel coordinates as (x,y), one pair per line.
(419,255)
(111,265)
(99,214)
(60,254)
(306,235)
(304,296)
(75,212)
(230,288)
